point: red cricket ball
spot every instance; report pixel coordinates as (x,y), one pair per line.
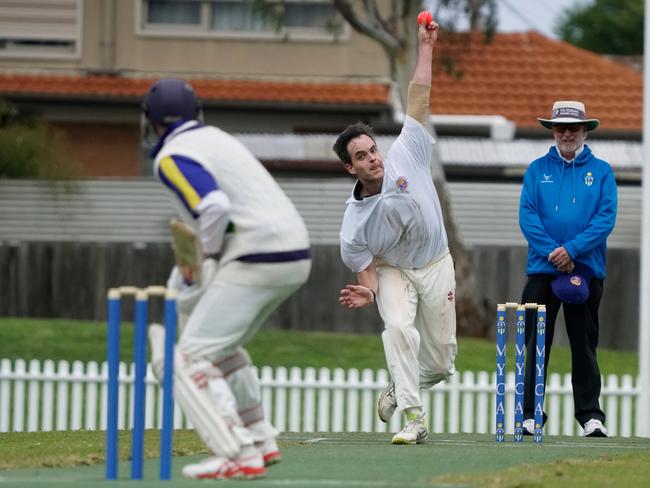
(425,17)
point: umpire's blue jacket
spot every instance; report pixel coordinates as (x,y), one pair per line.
(569,204)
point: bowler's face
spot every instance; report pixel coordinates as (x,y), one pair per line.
(367,163)
(568,138)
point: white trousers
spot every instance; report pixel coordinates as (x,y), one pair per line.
(236,303)
(224,315)
(418,310)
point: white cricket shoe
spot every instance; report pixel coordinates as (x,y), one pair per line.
(594,428)
(528,427)
(414,432)
(250,462)
(212,468)
(387,403)
(269,450)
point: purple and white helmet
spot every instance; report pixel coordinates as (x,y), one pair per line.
(170,100)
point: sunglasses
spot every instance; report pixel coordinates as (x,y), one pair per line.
(573,128)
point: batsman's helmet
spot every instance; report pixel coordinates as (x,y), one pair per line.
(170,100)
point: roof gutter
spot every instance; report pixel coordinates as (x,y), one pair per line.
(501,129)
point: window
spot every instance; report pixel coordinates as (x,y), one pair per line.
(173,12)
(241,18)
(40,28)
(315,15)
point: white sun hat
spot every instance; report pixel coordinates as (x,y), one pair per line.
(569,112)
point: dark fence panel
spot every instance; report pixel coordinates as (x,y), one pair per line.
(69,280)
(501,273)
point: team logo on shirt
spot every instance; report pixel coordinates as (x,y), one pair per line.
(547,179)
(589,178)
(575,280)
(402,183)
(450,296)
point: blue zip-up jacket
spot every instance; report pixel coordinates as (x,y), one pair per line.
(568,204)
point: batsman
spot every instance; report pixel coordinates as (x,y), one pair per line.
(394,238)
(241,249)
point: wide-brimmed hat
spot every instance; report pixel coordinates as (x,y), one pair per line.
(569,112)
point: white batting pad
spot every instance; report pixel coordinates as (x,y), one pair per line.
(195,402)
(237,369)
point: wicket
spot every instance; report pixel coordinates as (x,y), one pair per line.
(141,296)
(540,353)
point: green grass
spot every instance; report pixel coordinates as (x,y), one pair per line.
(629,470)
(348,460)
(82,448)
(86,341)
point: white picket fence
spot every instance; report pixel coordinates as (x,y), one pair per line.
(44,396)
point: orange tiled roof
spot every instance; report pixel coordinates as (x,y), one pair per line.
(520,75)
(516,75)
(230,90)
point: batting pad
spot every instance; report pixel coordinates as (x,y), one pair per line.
(238,370)
(187,247)
(194,402)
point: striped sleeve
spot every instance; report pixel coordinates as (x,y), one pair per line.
(188,179)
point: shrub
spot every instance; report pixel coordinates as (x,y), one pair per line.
(30,148)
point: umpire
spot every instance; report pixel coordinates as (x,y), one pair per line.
(567,210)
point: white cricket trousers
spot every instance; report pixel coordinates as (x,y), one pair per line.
(225,314)
(418,310)
(236,303)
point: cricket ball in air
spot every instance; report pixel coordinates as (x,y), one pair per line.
(425,17)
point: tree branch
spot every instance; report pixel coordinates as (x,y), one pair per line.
(375,29)
(407,7)
(375,16)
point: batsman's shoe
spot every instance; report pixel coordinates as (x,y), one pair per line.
(213,468)
(270,451)
(414,432)
(528,426)
(594,428)
(387,403)
(250,463)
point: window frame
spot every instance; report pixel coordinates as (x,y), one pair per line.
(203,30)
(52,54)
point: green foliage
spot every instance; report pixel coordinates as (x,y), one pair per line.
(605,26)
(30,149)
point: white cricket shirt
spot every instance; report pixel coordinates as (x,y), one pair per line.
(403,224)
(264,219)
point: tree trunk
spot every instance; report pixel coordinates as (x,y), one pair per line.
(471,308)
